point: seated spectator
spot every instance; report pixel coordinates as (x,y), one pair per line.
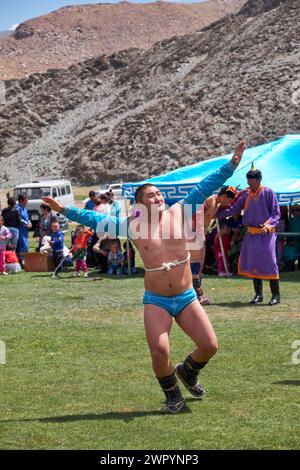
(102,249)
(91,203)
(12,263)
(45,247)
(12,220)
(131,259)
(44,226)
(115,259)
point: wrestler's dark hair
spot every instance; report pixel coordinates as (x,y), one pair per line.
(138,195)
(224,190)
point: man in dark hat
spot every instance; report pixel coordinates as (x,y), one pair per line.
(258,252)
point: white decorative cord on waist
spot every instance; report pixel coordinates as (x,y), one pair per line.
(168,266)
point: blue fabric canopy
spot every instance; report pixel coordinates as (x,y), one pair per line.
(279,162)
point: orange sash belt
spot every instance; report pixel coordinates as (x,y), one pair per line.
(257,230)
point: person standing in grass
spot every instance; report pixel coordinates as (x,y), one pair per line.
(169,292)
(79,249)
(57,245)
(5,236)
(258,251)
(12,220)
(22,246)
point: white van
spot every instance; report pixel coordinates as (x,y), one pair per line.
(116,188)
(58,189)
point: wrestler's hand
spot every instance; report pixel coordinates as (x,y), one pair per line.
(239,150)
(53,204)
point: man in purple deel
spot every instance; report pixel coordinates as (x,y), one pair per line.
(258,251)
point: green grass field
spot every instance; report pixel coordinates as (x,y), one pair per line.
(78,372)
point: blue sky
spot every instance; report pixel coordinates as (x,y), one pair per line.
(13,12)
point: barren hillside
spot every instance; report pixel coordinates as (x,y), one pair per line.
(75,33)
(139,113)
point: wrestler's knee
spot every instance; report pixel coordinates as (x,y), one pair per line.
(210,347)
(159,354)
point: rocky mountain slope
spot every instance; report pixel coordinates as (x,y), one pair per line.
(136,114)
(75,33)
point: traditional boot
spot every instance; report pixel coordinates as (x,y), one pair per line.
(174,400)
(203,300)
(258,288)
(274,286)
(188,373)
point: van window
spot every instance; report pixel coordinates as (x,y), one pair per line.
(68,189)
(54,192)
(63,190)
(33,193)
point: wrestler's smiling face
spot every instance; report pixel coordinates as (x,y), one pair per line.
(153,197)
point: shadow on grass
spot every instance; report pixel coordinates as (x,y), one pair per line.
(295,383)
(238,304)
(125,416)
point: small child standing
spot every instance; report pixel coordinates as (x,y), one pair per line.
(57,245)
(217,249)
(5,235)
(115,260)
(79,249)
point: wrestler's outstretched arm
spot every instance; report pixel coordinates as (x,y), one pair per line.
(96,220)
(212,182)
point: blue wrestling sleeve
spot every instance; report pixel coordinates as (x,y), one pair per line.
(208,185)
(115,226)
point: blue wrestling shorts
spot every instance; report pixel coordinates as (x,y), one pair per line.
(174,304)
(195,268)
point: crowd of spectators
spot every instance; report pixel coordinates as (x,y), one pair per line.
(107,255)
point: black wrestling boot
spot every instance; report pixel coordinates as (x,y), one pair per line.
(203,300)
(258,287)
(188,373)
(174,400)
(274,286)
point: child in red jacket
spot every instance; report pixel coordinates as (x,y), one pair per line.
(79,249)
(12,261)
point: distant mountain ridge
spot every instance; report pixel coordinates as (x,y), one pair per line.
(75,33)
(137,113)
